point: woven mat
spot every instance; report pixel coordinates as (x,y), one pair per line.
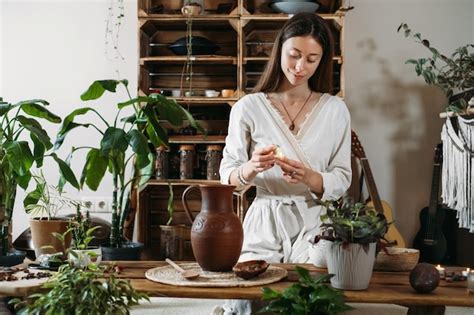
(168,275)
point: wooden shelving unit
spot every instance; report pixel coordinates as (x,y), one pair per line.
(244,31)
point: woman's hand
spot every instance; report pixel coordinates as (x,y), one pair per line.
(295,172)
(263,158)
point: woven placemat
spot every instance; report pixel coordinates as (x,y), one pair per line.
(168,275)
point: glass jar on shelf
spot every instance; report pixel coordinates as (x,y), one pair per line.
(213,158)
(162,164)
(186,161)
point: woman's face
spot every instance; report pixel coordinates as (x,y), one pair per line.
(300,57)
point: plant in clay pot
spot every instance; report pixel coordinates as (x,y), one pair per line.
(122,140)
(23,143)
(452,74)
(354,230)
(43,204)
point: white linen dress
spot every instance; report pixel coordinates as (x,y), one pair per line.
(284,217)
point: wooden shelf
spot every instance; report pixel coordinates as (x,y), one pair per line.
(180,182)
(197,139)
(182,59)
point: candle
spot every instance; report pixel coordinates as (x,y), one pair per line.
(441,271)
(470,281)
(466,272)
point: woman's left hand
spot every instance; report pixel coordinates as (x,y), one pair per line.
(294,171)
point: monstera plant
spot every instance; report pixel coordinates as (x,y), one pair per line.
(125,139)
(24,143)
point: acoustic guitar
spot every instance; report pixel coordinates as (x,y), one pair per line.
(430,239)
(392,235)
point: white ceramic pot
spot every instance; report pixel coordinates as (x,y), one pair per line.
(84,257)
(317,253)
(352,266)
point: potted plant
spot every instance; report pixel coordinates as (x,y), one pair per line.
(81,291)
(124,139)
(81,254)
(307,296)
(451,74)
(354,230)
(43,204)
(23,143)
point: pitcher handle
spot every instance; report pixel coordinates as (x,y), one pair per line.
(185,202)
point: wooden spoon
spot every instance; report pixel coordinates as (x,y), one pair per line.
(187,274)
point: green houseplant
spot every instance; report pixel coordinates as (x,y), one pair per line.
(354,230)
(43,204)
(81,291)
(23,143)
(307,296)
(452,74)
(123,140)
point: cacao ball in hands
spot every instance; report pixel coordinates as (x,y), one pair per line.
(424,278)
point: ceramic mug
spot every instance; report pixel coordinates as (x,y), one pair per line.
(227,93)
(194,9)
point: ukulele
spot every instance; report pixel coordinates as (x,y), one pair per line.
(392,235)
(430,239)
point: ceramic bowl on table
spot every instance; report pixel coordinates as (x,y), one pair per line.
(294,7)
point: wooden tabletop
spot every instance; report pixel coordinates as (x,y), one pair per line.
(385,287)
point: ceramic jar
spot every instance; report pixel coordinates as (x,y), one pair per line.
(216,234)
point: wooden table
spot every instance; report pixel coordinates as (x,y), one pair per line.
(385,287)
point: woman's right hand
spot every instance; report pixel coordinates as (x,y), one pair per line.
(263,158)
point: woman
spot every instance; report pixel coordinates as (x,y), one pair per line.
(291,109)
(291,139)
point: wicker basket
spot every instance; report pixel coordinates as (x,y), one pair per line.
(397,259)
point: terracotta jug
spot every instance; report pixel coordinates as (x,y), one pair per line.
(216,234)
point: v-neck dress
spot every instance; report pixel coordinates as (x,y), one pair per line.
(284,217)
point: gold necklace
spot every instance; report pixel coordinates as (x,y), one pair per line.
(292,125)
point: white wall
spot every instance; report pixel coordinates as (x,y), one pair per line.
(394,112)
(54,49)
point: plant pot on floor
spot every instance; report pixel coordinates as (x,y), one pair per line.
(42,234)
(351,264)
(128,251)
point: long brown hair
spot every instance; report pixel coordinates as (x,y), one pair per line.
(302,24)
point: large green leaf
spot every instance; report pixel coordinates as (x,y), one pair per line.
(4,108)
(158,135)
(24,180)
(19,157)
(66,171)
(94,169)
(114,139)
(60,138)
(137,141)
(167,109)
(38,150)
(35,129)
(38,110)
(192,121)
(135,100)
(97,88)
(33,196)
(154,138)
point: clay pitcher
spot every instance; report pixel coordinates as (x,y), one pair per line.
(216,234)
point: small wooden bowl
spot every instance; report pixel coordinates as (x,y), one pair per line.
(397,259)
(250,269)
